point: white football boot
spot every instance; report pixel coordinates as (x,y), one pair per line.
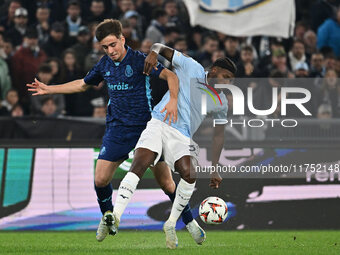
(196,232)
(108,225)
(170,235)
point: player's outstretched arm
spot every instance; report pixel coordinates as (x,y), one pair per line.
(39,88)
(151,59)
(217,146)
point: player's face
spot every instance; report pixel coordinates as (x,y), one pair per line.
(114,47)
(220,76)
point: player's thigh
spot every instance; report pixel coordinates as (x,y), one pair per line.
(180,152)
(163,176)
(104,171)
(118,142)
(150,140)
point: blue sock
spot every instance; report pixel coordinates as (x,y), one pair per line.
(186,214)
(104,197)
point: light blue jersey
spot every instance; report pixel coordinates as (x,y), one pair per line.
(192,85)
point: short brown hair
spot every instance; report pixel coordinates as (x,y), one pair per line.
(108,27)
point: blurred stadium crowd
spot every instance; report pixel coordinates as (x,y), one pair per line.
(54,41)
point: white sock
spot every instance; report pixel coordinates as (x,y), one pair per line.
(183,194)
(126,189)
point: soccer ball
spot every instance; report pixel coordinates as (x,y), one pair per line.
(213,210)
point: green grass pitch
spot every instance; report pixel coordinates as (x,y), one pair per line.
(153,242)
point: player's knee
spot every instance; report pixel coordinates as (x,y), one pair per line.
(142,160)
(101,181)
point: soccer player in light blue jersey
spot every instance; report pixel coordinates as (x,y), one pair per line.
(174,141)
(128,111)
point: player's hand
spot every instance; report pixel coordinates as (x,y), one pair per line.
(215,180)
(38,87)
(150,62)
(171,111)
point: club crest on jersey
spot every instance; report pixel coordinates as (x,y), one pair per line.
(128,71)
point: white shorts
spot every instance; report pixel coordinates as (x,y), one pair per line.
(165,140)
